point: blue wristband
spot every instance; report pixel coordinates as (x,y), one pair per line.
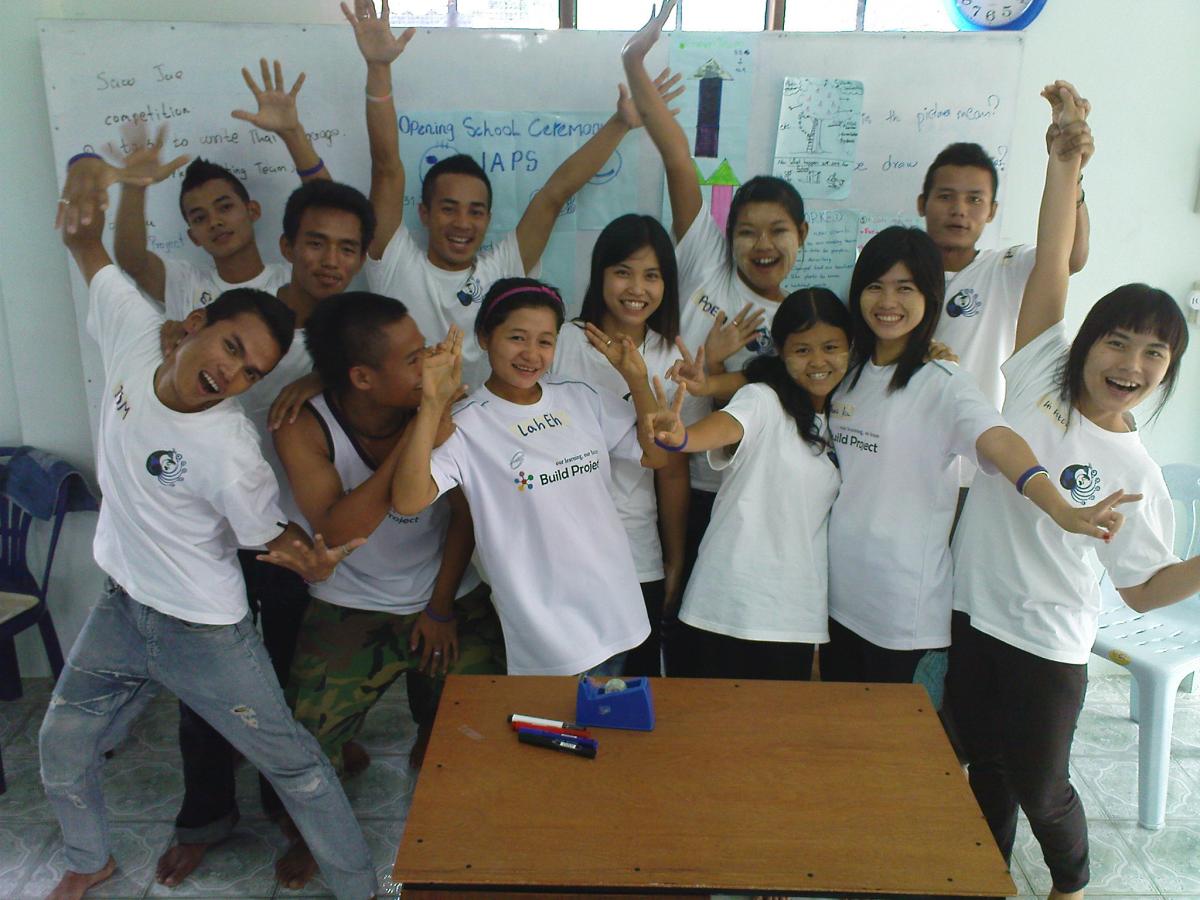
(440,619)
(304,173)
(1028,474)
(669,448)
(85,155)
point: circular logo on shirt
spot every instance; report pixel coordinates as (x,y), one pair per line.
(168,466)
(516,459)
(1082,480)
(470,292)
(965,302)
(523,481)
(760,342)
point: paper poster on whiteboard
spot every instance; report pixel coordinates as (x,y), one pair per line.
(518,151)
(818,135)
(718,72)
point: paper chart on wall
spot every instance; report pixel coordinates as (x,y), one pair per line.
(718,72)
(818,135)
(835,238)
(518,151)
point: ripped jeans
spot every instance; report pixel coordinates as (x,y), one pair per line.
(222,672)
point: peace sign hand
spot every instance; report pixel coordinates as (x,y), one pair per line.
(665,424)
(1101,520)
(374,32)
(689,370)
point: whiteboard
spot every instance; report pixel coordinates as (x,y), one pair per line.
(921,92)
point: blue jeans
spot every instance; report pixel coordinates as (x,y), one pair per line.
(222,672)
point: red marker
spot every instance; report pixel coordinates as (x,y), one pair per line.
(578,731)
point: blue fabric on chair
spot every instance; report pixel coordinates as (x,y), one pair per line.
(34,478)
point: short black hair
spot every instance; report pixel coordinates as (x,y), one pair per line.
(962,154)
(459,164)
(346,330)
(1140,309)
(200,172)
(921,257)
(620,239)
(325,194)
(508,295)
(277,315)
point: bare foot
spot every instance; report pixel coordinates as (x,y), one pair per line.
(75,884)
(355,758)
(288,827)
(296,867)
(178,863)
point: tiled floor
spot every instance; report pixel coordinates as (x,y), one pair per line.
(143,786)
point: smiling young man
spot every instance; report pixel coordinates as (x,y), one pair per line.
(444,283)
(185,484)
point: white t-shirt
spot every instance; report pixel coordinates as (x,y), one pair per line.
(189,287)
(890,575)
(438,298)
(979,319)
(708,285)
(762,570)
(1020,577)
(632,483)
(537,480)
(181,490)
(395,570)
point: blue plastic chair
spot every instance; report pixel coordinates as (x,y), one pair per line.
(1161,649)
(22,596)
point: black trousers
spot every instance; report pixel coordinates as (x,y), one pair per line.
(646,658)
(676,647)
(706,654)
(1015,714)
(849,657)
(278,598)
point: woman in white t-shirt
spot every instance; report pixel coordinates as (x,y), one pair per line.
(755,605)
(730,278)
(900,423)
(634,291)
(532,455)
(1026,597)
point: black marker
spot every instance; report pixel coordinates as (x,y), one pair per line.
(563,744)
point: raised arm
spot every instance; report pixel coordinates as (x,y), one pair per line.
(379,48)
(142,168)
(318,489)
(533,231)
(413,487)
(669,137)
(1079,140)
(277,114)
(1045,298)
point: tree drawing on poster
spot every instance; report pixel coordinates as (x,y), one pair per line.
(818,135)
(715,110)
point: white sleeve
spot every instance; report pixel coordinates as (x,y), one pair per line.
(118,314)
(503,261)
(445,465)
(1143,545)
(1028,367)
(618,423)
(179,288)
(749,407)
(972,414)
(250,500)
(384,276)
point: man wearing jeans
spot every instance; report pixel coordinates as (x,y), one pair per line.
(184,484)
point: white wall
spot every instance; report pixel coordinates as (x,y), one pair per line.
(1138,69)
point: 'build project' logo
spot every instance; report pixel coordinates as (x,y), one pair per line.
(586,463)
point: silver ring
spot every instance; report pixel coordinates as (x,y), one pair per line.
(736,323)
(608,342)
(64,201)
(437,652)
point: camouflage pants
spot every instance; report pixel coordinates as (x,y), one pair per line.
(346,659)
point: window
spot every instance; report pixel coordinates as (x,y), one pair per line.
(613,15)
(907,15)
(821,15)
(540,14)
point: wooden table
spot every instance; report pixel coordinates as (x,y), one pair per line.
(743,786)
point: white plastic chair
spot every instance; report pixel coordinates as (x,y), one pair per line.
(1160,649)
